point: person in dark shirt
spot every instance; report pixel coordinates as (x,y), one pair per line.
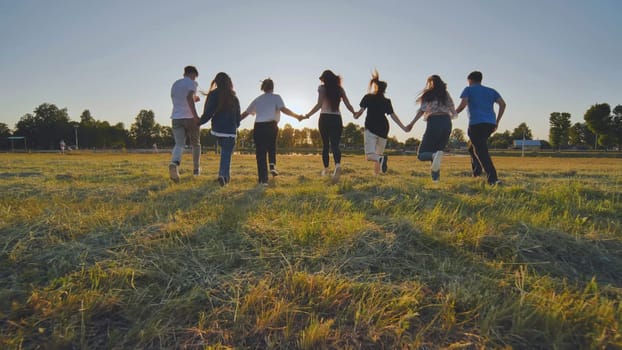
(222,107)
(376,123)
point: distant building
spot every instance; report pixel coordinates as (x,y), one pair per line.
(528,144)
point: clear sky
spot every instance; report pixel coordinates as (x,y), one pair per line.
(116,57)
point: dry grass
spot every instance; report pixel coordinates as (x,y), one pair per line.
(103,251)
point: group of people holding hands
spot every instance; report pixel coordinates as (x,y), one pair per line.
(222,109)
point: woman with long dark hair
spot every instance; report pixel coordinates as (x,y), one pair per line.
(437,109)
(330,95)
(223,109)
(267,109)
(376,123)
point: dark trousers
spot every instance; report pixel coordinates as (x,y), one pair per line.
(331,127)
(435,137)
(480,158)
(264,135)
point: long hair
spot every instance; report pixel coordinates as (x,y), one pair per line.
(332,86)
(226,94)
(377,86)
(435,90)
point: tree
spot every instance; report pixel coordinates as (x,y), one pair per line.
(501,140)
(316,138)
(245,139)
(457,139)
(46,127)
(393,143)
(145,131)
(559,127)
(286,137)
(207,139)
(353,136)
(579,135)
(300,137)
(5,133)
(616,122)
(598,119)
(411,143)
(86,119)
(522,130)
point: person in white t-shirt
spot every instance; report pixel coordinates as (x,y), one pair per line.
(185,121)
(267,109)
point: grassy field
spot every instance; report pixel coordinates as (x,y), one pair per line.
(104,252)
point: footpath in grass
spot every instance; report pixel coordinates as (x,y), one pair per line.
(104,252)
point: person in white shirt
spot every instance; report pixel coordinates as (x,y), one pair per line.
(267,109)
(185,121)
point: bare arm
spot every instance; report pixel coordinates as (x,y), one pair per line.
(347,102)
(502,105)
(417,117)
(290,113)
(315,108)
(191,98)
(244,115)
(397,121)
(358,114)
(463,103)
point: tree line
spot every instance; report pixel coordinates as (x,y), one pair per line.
(602,128)
(48,125)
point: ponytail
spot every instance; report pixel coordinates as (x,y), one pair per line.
(377,86)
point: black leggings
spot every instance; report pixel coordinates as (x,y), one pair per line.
(264,135)
(331,127)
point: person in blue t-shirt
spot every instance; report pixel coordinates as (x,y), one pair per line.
(482,123)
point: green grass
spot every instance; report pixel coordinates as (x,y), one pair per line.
(103,251)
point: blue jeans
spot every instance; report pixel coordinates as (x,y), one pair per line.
(226,151)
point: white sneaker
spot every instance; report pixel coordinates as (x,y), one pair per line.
(436,161)
(324,172)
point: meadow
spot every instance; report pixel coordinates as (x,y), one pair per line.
(103,251)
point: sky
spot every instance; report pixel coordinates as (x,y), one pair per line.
(117,57)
